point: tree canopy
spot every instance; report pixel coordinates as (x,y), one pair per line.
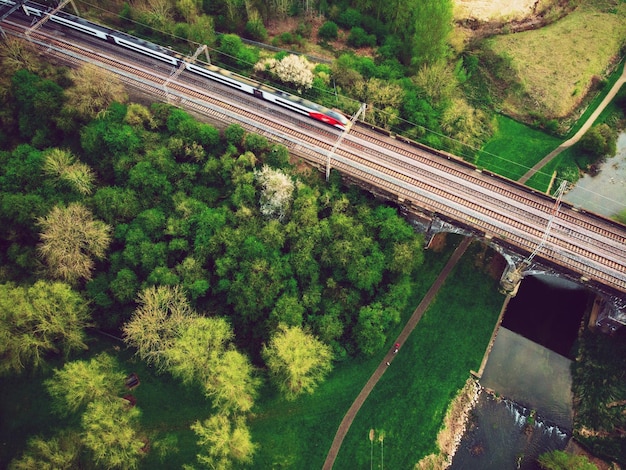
(297,361)
(45,318)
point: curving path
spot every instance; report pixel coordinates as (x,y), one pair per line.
(585,127)
(346,422)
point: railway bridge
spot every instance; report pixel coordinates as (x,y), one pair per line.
(437,190)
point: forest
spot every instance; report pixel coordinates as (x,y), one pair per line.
(207,251)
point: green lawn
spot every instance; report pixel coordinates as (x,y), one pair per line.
(515,148)
(409,402)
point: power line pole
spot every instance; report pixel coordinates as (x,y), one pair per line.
(47,15)
(341,137)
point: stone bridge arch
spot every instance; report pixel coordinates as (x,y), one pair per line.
(609,312)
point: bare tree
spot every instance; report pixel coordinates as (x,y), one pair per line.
(70,241)
(63,165)
(93,91)
(226,442)
(155,325)
(35,321)
(17,54)
(297,360)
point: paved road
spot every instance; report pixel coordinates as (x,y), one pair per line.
(569,142)
(382,367)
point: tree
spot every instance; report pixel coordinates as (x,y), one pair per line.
(60,452)
(234,134)
(232,384)
(198,348)
(466,124)
(291,69)
(61,164)
(297,361)
(18,54)
(560,460)
(70,241)
(437,80)
(276,192)
(125,285)
(599,141)
(328,31)
(432,24)
(79,383)
(162,313)
(39,102)
(226,442)
(46,317)
(384,99)
(93,90)
(373,322)
(110,432)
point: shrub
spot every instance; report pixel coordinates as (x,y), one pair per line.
(328,31)
(349,18)
(255,29)
(304,29)
(359,38)
(599,141)
(286,38)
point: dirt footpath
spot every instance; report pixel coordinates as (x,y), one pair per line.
(388,359)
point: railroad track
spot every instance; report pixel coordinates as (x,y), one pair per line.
(456,191)
(542,204)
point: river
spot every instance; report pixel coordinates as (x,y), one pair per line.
(525,406)
(604,193)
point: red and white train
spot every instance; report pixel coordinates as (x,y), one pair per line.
(233,80)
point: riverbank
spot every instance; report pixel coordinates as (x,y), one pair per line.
(453,429)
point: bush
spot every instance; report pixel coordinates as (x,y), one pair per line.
(599,141)
(328,31)
(235,53)
(359,38)
(304,29)
(255,29)
(349,18)
(286,38)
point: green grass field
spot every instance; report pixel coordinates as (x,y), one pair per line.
(410,401)
(515,148)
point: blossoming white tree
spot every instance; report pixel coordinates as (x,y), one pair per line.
(276,192)
(292,69)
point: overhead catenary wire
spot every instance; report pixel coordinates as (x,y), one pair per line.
(454,143)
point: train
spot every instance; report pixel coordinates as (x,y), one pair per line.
(212,72)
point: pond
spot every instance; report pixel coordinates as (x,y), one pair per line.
(605,193)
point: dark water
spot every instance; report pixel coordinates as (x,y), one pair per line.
(529,371)
(547,311)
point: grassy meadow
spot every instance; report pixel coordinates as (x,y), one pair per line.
(556,64)
(409,402)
